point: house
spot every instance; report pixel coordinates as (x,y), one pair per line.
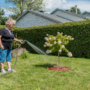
(87,14)
(68,15)
(35,18)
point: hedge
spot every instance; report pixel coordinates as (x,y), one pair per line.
(80,46)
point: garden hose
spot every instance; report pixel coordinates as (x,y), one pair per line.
(16,58)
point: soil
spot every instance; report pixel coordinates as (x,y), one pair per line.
(60,68)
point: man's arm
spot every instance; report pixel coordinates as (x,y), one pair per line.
(1,46)
(15,39)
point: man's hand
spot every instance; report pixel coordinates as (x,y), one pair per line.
(21,41)
(2,47)
(17,40)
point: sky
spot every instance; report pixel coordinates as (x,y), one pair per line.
(83,5)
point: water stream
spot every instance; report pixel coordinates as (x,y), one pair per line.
(39,51)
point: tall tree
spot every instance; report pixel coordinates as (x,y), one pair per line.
(3,20)
(14,16)
(73,9)
(22,5)
(1,14)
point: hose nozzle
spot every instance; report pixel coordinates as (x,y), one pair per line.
(24,41)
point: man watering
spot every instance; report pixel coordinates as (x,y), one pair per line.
(6,38)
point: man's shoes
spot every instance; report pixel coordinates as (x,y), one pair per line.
(3,71)
(12,70)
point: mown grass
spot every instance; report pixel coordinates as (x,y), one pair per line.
(32,74)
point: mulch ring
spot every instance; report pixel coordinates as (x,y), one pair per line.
(60,68)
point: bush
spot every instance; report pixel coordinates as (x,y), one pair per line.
(80,31)
(24,55)
(57,43)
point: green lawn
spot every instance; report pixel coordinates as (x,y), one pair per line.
(32,74)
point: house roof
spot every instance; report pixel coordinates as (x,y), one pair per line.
(78,15)
(47,16)
(85,12)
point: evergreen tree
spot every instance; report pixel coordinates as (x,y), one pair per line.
(2,19)
(1,13)
(73,9)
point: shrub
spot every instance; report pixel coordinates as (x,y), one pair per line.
(24,55)
(57,44)
(80,30)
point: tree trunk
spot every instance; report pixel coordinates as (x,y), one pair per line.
(58,61)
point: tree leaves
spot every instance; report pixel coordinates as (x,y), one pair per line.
(22,5)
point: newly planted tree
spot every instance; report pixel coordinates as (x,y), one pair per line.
(57,44)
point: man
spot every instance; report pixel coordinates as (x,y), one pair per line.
(6,38)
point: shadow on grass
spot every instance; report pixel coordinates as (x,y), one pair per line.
(45,65)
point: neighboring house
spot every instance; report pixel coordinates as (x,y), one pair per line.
(87,14)
(35,18)
(68,15)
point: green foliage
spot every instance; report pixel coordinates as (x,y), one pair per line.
(15,44)
(24,55)
(57,43)
(74,10)
(15,16)
(2,26)
(2,19)
(22,5)
(80,31)
(1,12)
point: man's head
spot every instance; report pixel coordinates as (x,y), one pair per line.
(10,22)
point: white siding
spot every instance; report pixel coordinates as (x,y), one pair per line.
(31,19)
(68,16)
